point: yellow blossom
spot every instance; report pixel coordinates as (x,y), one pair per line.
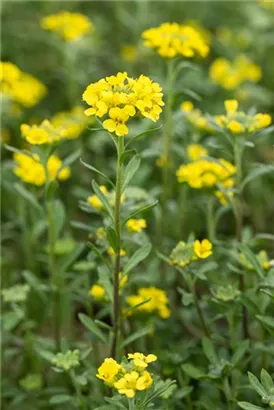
(230,74)
(111,252)
(203,249)
(97,292)
(72,122)
(20,87)
(196,151)
(30,170)
(69,26)
(120,98)
(195,116)
(235,127)
(94,201)
(173,39)
(155,299)
(45,133)
(133,381)
(136,225)
(108,370)
(140,360)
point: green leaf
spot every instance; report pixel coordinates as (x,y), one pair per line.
(112,237)
(268,321)
(28,196)
(66,261)
(209,350)
(97,171)
(104,279)
(58,216)
(136,258)
(130,170)
(103,199)
(127,153)
(35,284)
(136,335)
(256,385)
(248,406)
(60,398)
(51,188)
(12,319)
(258,170)
(251,258)
(92,327)
(240,352)
(139,211)
(99,254)
(158,392)
(192,371)
(143,134)
(267,381)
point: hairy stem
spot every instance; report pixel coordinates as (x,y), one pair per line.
(116,301)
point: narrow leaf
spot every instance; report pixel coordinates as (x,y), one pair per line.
(251,258)
(267,381)
(248,406)
(92,327)
(256,385)
(136,258)
(130,170)
(139,211)
(102,198)
(143,134)
(136,335)
(209,350)
(97,171)
(28,196)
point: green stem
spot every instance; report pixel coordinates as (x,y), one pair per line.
(78,391)
(198,308)
(116,298)
(54,275)
(131,404)
(210,220)
(238,153)
(168,134)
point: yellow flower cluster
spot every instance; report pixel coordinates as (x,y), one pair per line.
(136,225)
(195,116)
(73,122)
(121,98)
(94,201)
(98,292)
(267,4)
(30,169)
(207,174)
(173,39)
(157,301)
(20,87)
(231,74)
(69,26)
(196,151)
(238,122)
(45,133)
(184,254)
(128,378)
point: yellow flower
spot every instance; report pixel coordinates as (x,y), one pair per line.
(116,123)
(30,170)
(187,106)
(173,39)
(196,151)
(69,26)
(140,360)
(206,174)
(230,74)
(235,127)
(111,252)
(136,225)
(133,381)
(20,87)
(203,249)
(94,201)
(122,280)
(121,97)
(231,106)
(45,133)
(73,122)
(108,370)
(223,198)
(97,292)
(155,299)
